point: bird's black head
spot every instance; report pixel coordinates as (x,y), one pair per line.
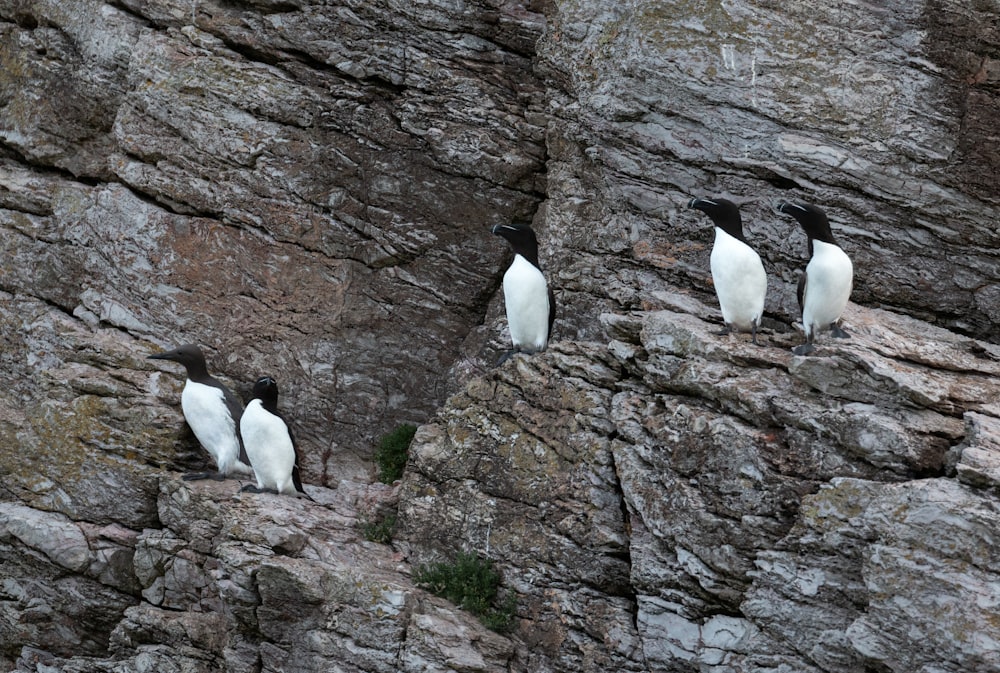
(188,355)
(521,238)
(266,390)
(724,214)
(812,220)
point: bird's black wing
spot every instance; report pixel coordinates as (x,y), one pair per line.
(235,410)
(801,291)
(296,479)
(552,312)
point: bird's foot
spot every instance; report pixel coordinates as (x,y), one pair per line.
(804,349)
(197,476)
(507,356)
(837,331)
(724,331)
(250,488)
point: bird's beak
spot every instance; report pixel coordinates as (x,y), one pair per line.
(787,206)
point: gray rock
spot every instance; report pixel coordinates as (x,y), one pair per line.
(354,261)
(978,463)
(57,593)
(771,502)
(306,189)
(872,113)
(909,558)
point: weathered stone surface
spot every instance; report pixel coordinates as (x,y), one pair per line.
(81,417)
(306,189)
(978,462)
(519,466)
(918,551)
(241,582)
(872,112)
(248,189)
(64,586)
(732,461)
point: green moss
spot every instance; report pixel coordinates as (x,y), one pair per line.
(379,530)
(390,456)
(471,583)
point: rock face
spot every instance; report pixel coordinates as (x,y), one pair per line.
(872,113)
(682,500)
(306,189)
(299,206)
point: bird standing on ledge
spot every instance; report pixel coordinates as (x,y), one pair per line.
(825,285)
(737,272)
(530,303)
(270,444)
(212,411)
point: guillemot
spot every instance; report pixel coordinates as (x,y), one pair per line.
(212,411)
(529,301)
(269,442)
(737,272)
(825,285)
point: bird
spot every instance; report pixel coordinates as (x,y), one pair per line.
(528,299)
(270,444)
(737,272)
(825,285)
(212,411)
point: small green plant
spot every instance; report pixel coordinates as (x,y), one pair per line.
(380,529)
(390,456)
(471,583)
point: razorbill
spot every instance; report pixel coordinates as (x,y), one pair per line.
(737,272)
(270,444)
(825,286)
(212,411)
(530,304)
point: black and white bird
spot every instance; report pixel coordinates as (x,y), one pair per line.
(212,411)
(270,444)
(737,272)
(826,284)
(530,303)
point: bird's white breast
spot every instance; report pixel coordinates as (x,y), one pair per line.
(269,447)
(829,279)
(526,297)
(206,412)
(740,280)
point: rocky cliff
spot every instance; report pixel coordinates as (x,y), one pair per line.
(306,189)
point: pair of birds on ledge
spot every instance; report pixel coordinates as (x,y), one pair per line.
(262,446)
(737,273)
(741,284)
